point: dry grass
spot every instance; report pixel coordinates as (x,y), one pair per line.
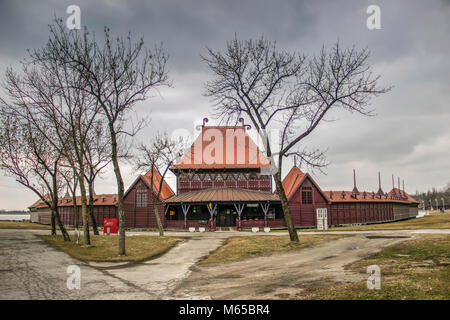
(237,248)
(412,270)
(104,248)
(435,220)
(23,225)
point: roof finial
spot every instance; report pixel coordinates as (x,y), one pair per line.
(398,178)
(205,121)
(355,191)
(380,191)
(246,126)
(295,160)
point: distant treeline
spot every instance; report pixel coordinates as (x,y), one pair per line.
(435,198)
(3,211)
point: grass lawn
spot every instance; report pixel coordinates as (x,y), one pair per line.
(242,247)
(23,225)
(104,248)
(435,220)
(413,270)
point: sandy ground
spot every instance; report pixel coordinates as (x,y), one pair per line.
(31,269)
(271,277)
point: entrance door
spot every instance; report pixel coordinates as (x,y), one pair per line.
(322,219)
(225,218)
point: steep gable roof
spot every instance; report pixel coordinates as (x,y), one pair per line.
(166,190)
(223,147)
(294,179)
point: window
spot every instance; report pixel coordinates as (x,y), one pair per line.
(141,196)
(306,195)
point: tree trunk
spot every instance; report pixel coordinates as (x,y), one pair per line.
(91,208)
(120,191)
(55,211)
(64,232)
(75,211)
(285,206)
(84,210)
(52,222)
(158,219)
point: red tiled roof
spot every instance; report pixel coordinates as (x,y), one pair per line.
(401,194)
(166,190)
(222,147)
(292,180)
(224,195)
(99,200)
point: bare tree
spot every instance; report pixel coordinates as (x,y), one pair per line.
(49,94)
(119,73)
(158,157)
(28,157)
(98,156)
(279,89)
(71,180)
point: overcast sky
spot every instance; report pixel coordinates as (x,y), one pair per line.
(410,135)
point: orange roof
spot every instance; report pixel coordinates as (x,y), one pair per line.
(99,200)
(224,195)
(222,147)
(400,194)
(346,196)
(292,180)
(166,190)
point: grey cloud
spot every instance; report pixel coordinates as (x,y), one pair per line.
(411,52)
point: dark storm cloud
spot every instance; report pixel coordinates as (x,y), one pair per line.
(411,52)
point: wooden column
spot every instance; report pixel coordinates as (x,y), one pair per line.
(239,208)
(185,209)
(265,208)
(212,211)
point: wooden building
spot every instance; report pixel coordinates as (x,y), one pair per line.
(223,181)
(105,207)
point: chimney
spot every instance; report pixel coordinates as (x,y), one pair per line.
(331,194)
(365,194)
(343,194)
(398,180)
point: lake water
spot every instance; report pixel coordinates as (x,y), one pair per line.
(14,217)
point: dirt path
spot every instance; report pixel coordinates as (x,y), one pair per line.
(162,275)
(273,276)
(31,269)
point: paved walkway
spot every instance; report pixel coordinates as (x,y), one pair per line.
(31,269)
